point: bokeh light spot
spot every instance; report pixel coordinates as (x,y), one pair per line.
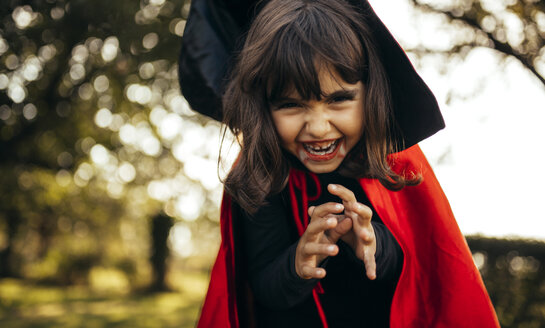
(25,180)
(127,134)
(117,122)
(150,40)
(150,12)
(110,48)
(30,111)
(159,190)
(65,159)
(77,72)
(86,144)
(103,117)
(146,70)
(179,28)
(12,62)
(84,173)
(139,93)
(85,91)
(94,45)
(5,112)
(63,178)
(23,16)
(99,154)
(80,54)
(189,204)
(31,68)
(17,93)
(115,190)
(101,83)
(4,81)
(180,239)
(57,13)
(170,126)
(151,146)
(4,46)
(47,52)
(157,114)
(126,172)
(479,259)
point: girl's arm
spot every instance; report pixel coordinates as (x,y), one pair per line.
(269,247)
(277,263)
(370,242)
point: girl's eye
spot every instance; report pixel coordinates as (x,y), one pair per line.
(340,99)
(288,105)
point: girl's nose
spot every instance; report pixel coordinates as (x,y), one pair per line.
(318,125)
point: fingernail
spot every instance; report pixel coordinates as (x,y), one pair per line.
(333,186)
(331,221)
(339,206)
(330,248)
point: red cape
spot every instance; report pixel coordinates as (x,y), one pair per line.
(439,285)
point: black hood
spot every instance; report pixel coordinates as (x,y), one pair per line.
(215,30)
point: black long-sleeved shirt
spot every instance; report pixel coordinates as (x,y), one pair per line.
(284,299)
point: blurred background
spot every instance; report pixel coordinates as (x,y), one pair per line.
(109,189)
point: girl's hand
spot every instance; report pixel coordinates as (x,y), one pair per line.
(318,240)
(362,237)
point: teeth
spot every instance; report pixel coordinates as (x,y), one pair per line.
(322,150)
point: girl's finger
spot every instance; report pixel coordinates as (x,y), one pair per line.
(325,209)
(310,249)
(366,234)
(343,226)
(363,211)
(342,192)
(319,225)
(311,210)
(369,261)
(309,272)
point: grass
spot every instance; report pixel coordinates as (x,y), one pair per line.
(24,304)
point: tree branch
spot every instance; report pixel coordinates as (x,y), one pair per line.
(502,47)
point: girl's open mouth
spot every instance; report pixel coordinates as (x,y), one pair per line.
(321,151)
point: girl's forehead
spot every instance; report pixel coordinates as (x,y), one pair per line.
(329,81)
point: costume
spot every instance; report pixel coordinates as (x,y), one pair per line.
(348,297)
(439,285)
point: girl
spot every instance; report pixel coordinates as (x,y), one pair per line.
(325,222)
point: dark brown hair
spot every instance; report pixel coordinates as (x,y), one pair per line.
(286,46)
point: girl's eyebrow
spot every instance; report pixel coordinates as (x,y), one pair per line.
(350,93)
(281,100)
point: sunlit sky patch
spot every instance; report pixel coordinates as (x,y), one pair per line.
(492,173)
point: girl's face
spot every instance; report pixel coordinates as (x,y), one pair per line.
(321,132)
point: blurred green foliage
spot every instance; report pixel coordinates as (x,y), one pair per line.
(513,271)
(91,122)
(24,304)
